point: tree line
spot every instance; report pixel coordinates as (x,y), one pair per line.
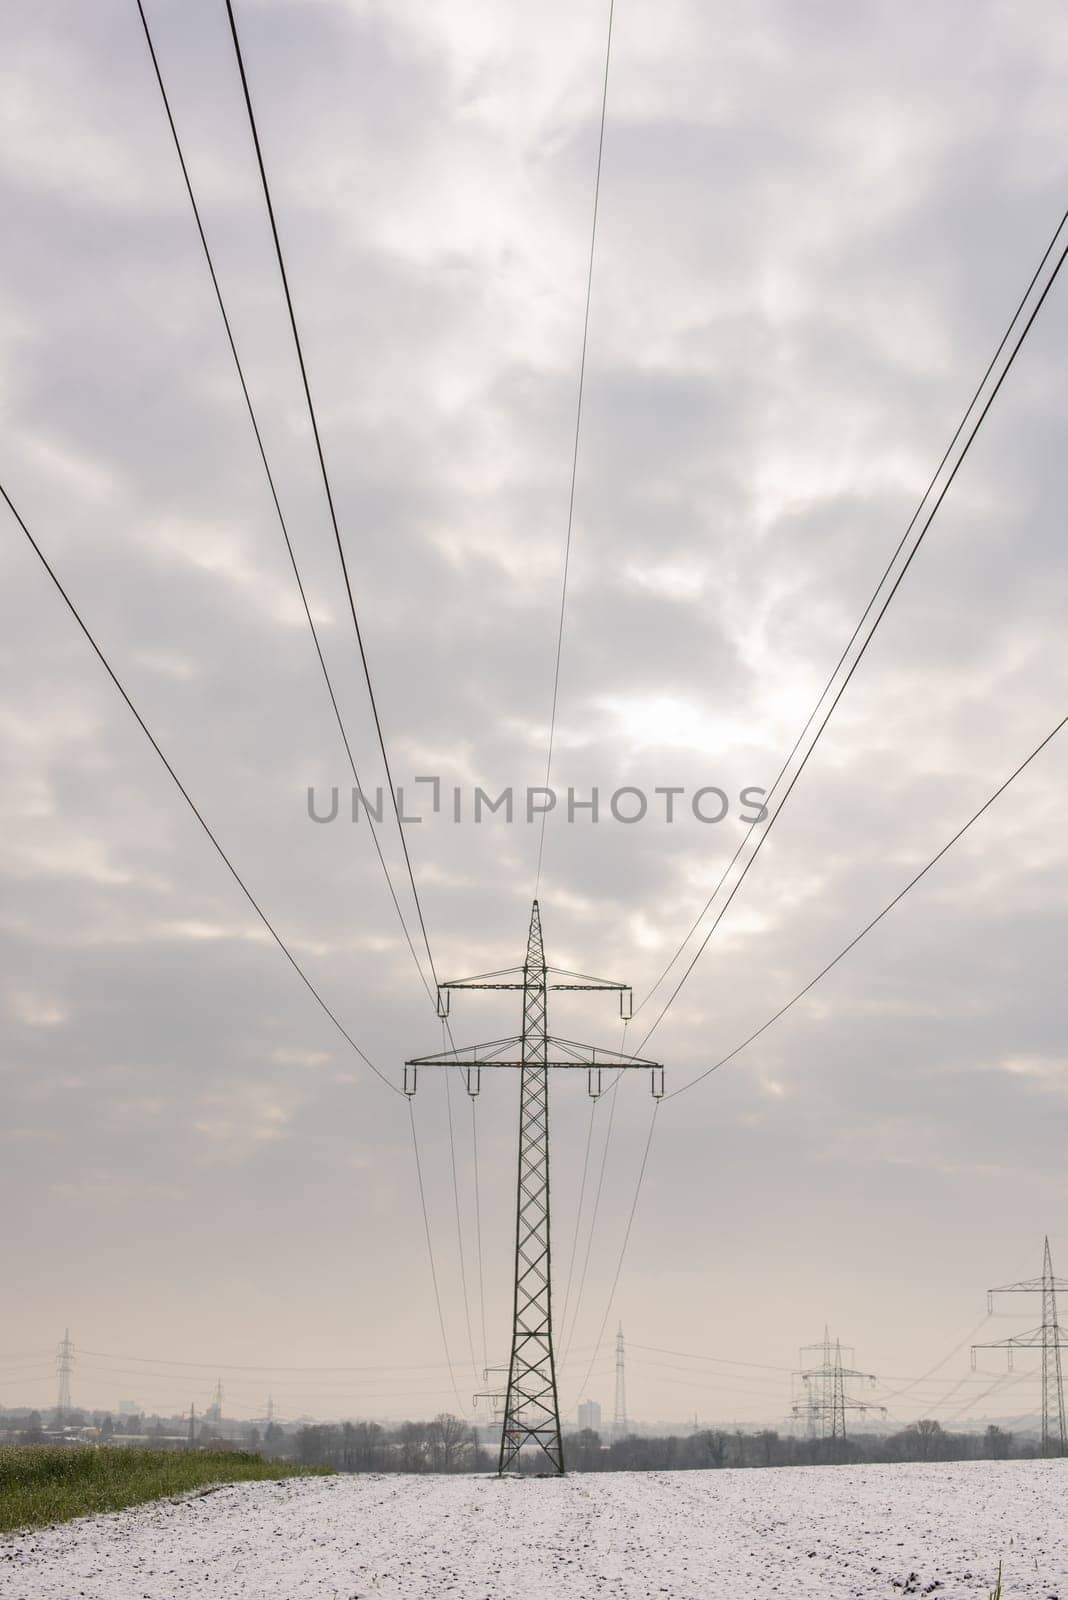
(447,1444)
(444,1444)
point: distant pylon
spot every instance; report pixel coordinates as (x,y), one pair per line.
(192,1426)
(838,1395)
(826,1393)
(1051,1339)
(270,1409)
(64,1367)
(619,1419)
(215,1410)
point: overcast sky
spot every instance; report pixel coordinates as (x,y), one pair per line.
(815,223)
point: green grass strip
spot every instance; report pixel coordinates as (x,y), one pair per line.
(40,1484)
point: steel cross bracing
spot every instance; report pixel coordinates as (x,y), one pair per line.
(532,1407)
(1051,1339)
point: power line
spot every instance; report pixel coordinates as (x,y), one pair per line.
(575,451)
(871,631)
(1006,1381)
(935,859)
(914,1383)
(841,690)
(313,417)
(190,802)
(623,1246)
(261,1367)
(368,1386)
(326,480)
(998,792)
(433,1264)
(611,1092)
(271,484)
(578,1213)
(782,1011)
(478,1230)
(459,1224)
(688,1355)
(271,1368)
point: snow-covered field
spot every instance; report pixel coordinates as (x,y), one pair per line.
(828,1531)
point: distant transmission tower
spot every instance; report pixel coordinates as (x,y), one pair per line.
(838,1400)
(826,1393)
(64,1368)
(495,1395)
(215,1410)
(1050,1339)
(619,1422)
(532,1407)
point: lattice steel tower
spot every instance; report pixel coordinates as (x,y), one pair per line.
(827,1397)
(1050,1338)
(532,1408)
(619,1421)
(64,1368)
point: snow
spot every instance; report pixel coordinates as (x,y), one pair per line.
(827,1531)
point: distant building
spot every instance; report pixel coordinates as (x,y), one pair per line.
(589,1415)
(129,1408)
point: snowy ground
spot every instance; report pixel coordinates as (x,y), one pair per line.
(828,1531)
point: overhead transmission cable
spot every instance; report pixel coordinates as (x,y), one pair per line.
(611,1094)
(335,524)
(845,653)
(874,922)
(268,1368)
(456,1208)
(829,966)
(623,1247)
(877,620)
(190,802)
(433,1265)
(811,984)
(297,575)
(575,448)
(963,453)
(272,486)
(478,1233)
(326,481)
(578,1213)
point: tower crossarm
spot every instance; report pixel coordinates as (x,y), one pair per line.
(1035,1340)
(1031,1286)
(801,1407)
(844,1372)
(555,978)
(1048,1340)
(560,1054)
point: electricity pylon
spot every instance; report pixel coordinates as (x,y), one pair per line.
(64,1368)
(619,1422)
(827,1398)
(532,1407)
(1051,1339)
